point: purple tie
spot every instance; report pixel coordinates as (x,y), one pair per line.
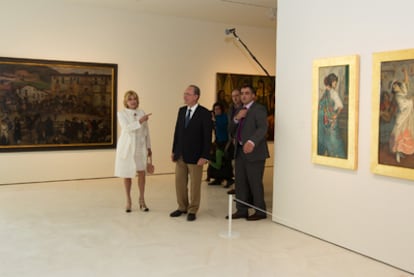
(239,129)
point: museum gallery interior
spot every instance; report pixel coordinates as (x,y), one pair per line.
(331,212)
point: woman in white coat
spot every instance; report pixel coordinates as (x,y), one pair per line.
(133,147)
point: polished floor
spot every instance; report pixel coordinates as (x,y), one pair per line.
(80,228)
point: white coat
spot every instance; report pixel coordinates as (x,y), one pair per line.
(133,142)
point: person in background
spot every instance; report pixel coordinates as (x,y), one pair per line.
(190,152)
(133,148)
(220,120)
(251,153)
(219,166)
(232,127)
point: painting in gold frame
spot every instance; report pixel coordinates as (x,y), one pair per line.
(392,145)
(335,111)
(50,105)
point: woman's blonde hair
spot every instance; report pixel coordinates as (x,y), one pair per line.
(128,94)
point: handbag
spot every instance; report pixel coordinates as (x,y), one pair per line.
(150,166)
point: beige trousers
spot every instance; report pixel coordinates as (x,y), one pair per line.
(182,172)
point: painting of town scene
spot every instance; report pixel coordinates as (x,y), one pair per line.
(56,105)
(265,93)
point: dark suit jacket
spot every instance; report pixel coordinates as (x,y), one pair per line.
(254,128)
(194,141)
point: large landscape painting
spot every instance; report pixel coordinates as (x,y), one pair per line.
(56,105)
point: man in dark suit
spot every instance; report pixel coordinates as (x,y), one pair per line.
(250,154)
(190,151)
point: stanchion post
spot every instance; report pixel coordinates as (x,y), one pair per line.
(230,213)
(229,233)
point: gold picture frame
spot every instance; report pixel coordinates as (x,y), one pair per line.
(335,111)
(50,105)
(392,135)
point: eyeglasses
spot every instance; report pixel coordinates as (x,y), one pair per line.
(188,94)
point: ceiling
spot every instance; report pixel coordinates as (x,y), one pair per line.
(255,13)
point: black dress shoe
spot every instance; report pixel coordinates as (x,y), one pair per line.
(177,213)
(256,216)
(237,215)
(229,183)
(232,191)
(191,217)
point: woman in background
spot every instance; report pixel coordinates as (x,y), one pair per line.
(133,148)
(220,120)
(221,143)
(219,167)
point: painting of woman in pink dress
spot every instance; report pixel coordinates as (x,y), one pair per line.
(402,136)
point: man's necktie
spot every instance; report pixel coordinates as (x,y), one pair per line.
(187,117)
(239,129)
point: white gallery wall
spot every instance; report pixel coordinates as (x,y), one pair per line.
(158,56)
(370,214)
